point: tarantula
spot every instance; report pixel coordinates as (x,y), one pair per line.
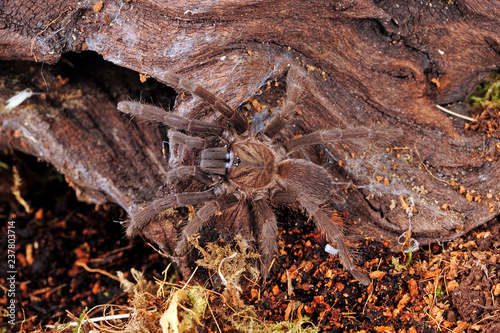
(236,164)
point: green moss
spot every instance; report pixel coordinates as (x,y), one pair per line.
(487,93)
(78,328)
(293,327)
(197,301)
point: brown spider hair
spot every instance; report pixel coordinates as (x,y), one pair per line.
(237,165)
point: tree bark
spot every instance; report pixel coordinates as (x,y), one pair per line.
(376,64)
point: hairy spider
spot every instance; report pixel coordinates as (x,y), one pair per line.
(236,164)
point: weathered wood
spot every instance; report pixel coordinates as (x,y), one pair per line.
(75,126)
(383,64)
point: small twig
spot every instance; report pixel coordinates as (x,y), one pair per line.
(224,281)
(47,289)
(427,168)
(289,284)
(195,316)
(486,307)
(491,263)
(213,316)
(16,191)
(373,290)
(105,318)
(96,270)
(41,32)
(189,280)
(455,114)
(108,254)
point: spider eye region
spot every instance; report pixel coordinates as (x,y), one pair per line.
(251,165)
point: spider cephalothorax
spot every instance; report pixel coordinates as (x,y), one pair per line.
(236,164)
(251,165)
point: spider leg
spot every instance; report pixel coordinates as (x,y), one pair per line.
(186,140)
(202,216)
(268,245)
(158,115)
(215,160)
(348,134)
(153,209)
(332,231)
(191,171)
(234,118)
(293,91)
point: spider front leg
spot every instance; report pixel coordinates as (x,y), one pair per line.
(267,233)
(158,115)
(204,214)
(199,173)
(188,171)
(234,118)
(293,92)
(140,220)
(348,134)
(177,138)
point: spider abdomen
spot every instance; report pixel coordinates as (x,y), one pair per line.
(251,165)
(305,178)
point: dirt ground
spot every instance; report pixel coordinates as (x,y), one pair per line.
(68,254)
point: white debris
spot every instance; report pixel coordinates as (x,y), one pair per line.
(330,249)
(18,98)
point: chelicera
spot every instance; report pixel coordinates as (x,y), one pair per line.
(238,164)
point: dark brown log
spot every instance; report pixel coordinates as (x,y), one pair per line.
(375,64)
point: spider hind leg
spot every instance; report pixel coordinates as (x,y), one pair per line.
(203,215)
(151,212)
(331,230)
(267,233)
